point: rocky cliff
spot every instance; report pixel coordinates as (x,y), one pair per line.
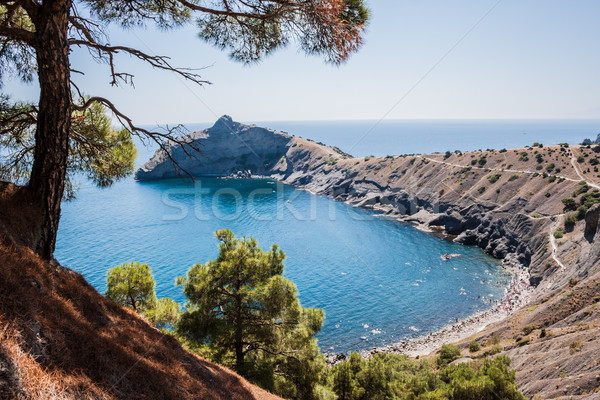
(508,202)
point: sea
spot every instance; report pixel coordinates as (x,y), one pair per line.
(379,281)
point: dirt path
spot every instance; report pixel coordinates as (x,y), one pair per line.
(504,169)
(579,173)
(559,218)
(553,228)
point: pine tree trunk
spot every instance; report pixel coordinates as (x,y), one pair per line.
(49,170)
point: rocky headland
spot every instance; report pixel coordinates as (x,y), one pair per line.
(509,202)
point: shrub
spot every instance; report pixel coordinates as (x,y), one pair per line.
(447,154)
(558,234)
(548,194)
(570,204)
(513,177)
(581,189)
(543,333)
(481,189)
(496,349)
(331,161)
(494,178)
(570,222)
(551,178)
(448,353)
(580,159)
(474,346)
(528,329)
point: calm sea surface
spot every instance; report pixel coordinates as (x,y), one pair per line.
(377,280)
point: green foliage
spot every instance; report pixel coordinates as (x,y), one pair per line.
(570,222)
(447,154)
(513,177)
(474,346)
(481,189)
(393,376)
(580,159)
(558,234)
(164,314)
(528,329)
(570,204)
(581,189)
(493,178)
(248,314)
(132,285)
(482,160)
(331,161)
(495,349)
(448,353)
(102,153)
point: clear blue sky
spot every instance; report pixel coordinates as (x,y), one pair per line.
(526,59)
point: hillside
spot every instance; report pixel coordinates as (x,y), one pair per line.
(508,202)
(61,339)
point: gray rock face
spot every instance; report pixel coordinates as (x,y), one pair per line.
(591,220)
(225,149)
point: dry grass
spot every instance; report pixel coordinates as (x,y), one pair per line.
(60,339)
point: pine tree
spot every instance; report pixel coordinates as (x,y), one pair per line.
(36,38)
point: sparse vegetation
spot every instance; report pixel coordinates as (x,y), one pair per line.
(474,346)
(493,178)
(513,177)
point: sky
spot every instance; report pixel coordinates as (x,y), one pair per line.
(422,59)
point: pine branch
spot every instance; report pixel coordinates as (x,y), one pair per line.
(107,53)
(163,140)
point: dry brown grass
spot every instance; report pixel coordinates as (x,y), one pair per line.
(60,339)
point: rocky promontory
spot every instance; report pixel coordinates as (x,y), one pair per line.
(509,202)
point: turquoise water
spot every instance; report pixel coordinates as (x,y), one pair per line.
(376,279)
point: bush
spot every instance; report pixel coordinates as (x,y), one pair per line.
(493,178)
(570,205)
(570,222)
(474,346)
(448,353)
(481,189)
(331,161)
(528,329)
(543,333)
(494,350)
(581,189)
(558,234)
(447,154)
(513,177)
(394,376)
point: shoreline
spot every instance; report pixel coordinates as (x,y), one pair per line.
(517,295)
